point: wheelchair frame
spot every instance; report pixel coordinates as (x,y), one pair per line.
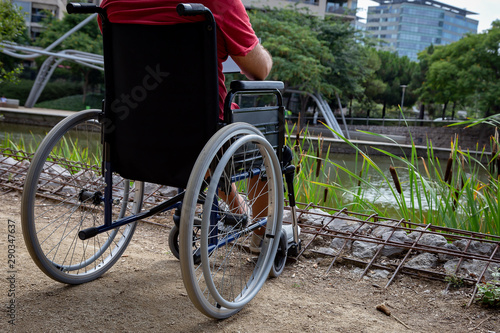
(228,158)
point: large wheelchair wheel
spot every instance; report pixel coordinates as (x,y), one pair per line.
(63,194)
(239,179)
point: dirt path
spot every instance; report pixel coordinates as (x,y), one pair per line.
(144,292)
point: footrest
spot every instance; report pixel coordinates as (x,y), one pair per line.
(235,219)
(88,233)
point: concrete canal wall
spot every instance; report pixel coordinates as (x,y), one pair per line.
(472,139)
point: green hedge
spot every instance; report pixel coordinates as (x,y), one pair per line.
(73,103)
(52,91)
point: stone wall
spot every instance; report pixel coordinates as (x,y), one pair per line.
(472,138)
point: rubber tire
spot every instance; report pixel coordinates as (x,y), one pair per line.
(54,244)
(281,256)
(203,283)
(173,243)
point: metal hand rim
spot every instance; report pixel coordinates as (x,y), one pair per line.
(271,163)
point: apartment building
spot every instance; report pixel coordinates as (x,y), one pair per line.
(342,8)
(35,11)
(409,26)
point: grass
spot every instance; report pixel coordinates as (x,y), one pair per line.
(318,178)
(69,150)
(463,194)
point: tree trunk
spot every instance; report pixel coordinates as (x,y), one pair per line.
(422,113)
(85,85)
(488,112)
(383,110)
(303,108)
(444,110)
(453,111)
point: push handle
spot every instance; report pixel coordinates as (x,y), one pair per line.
(191,9)
(82,8)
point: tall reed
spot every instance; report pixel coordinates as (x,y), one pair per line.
(463,193)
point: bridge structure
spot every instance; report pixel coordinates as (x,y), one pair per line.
(54,58)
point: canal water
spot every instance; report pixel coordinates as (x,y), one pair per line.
(378,187)
(14,132)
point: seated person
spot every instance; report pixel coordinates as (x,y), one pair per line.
(235,38)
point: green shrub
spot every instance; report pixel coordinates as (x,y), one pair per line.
(488,293)
(73,103)
(53,90)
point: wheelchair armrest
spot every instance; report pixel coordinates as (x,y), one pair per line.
(256,85)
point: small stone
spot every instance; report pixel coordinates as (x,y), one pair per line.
(315,217)
(364,250)
(287,215)
(378,274)
(433,240)
(380,230)
(338,243)
(398,236)
(414,234)
(423,261)
(345,226)
(326,251)
(475,247)
(168,191)
(446,257)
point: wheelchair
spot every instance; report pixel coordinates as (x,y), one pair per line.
(84,190)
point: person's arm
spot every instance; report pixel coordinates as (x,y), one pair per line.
(257,64)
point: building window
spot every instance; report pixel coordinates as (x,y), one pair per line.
(310,2)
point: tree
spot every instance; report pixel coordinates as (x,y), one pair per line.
(352,63)
(466,71)
(394,72)
(11,27)
(298,55)
(87,39)
(316,55)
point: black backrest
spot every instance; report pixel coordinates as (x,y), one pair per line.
(161,103)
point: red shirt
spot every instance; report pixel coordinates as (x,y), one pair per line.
(235,36)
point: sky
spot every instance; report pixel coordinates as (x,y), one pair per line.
(488,10)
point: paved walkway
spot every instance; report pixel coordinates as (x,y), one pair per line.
(33,116)
(36,111)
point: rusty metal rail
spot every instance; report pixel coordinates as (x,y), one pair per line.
(14,165)
(397,225)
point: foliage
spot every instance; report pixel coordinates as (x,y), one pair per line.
(313,54)
(53,90)
(73,103)
(72,151)
(11,27)
(396,71)
(464,195)
(318,177)
(353,62)
(454,280)
(488,293)
(465,71)
(299,56)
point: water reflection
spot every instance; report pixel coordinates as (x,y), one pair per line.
(379,188)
